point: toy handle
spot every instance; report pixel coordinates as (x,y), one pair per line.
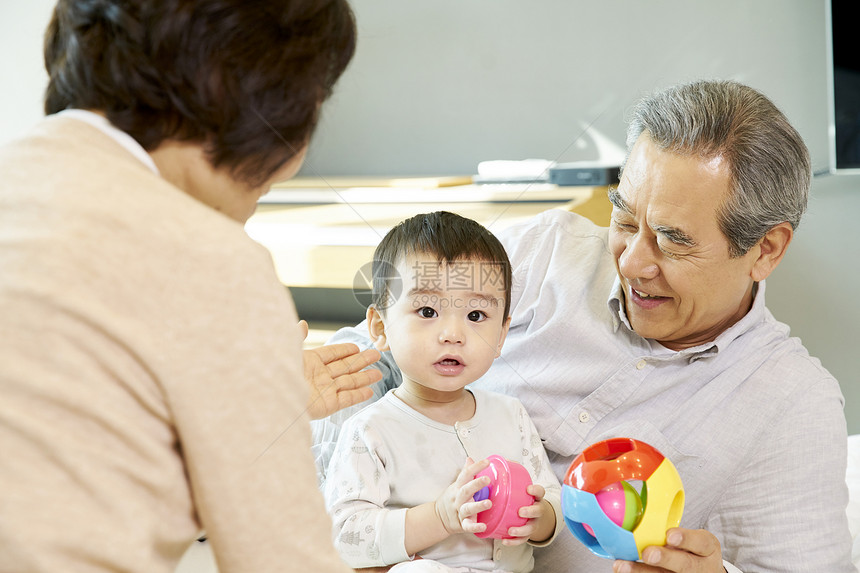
(482,494)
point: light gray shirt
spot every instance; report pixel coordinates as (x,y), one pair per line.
(753,424)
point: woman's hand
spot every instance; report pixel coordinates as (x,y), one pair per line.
(336,377)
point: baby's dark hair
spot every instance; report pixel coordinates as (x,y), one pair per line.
(447,236)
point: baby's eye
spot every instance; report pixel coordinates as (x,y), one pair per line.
(476,316)
(427,312)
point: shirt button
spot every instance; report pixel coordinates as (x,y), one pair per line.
(641,364)
(584,417)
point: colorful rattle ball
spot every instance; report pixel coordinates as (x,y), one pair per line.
(606,513)
(507,491)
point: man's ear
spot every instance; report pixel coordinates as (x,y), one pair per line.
(376,328)
(771,248)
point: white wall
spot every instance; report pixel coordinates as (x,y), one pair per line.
(22,24)
(438,86)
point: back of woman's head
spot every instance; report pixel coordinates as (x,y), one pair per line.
(243,77)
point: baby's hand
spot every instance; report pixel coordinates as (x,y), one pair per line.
(456,507)
(531,512)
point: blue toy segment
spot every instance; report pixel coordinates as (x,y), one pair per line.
(609,540)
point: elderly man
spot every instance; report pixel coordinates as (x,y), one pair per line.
(657,329)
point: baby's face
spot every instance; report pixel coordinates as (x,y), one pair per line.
(448,325)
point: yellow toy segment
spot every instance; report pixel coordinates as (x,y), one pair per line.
(663,507)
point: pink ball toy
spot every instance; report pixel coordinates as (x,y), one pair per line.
(507,491)
(621,503)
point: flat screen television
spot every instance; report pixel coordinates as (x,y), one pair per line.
(843,51)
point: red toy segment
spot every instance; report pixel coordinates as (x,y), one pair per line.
(610,461)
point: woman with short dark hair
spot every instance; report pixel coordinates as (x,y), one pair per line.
(151,378)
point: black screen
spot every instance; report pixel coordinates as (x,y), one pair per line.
(845,47)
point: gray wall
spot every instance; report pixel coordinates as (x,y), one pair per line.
(438,86)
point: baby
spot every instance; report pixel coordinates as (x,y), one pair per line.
(401,482)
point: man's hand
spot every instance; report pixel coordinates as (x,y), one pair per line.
(336,377)
(686,551)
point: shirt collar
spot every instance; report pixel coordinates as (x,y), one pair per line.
(102,124)
(616,306)
(755,315)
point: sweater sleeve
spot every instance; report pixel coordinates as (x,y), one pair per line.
(239,404)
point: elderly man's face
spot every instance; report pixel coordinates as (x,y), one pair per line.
(680,284)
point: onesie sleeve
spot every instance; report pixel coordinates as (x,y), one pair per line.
(537,462)
(326,430)
(365,532)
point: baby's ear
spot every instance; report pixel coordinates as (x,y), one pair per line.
(376,328)
(502,335)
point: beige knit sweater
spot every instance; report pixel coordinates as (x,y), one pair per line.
(150,374)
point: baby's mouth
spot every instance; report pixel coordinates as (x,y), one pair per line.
(450,366)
